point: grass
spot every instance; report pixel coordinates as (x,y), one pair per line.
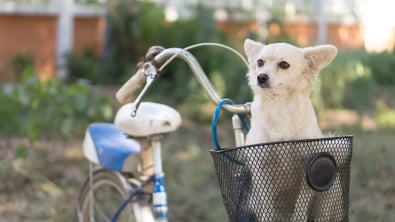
(373,177)
(40,182)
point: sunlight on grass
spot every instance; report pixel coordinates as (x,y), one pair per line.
(73,153)
(385,116)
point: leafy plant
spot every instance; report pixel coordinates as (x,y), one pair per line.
(20,62)
(346,83)
(82,65)
(382,66)
(49,109)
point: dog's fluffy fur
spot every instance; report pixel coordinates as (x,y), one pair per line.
(281,77)
(281,107)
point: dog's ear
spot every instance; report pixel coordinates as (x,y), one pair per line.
(319,57)
(252,47)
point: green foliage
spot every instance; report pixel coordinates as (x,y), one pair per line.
(356,80)
(82,65)
(385,117)
(136,26)
(371,181)
(382,66)
(346,83)
(89,1)
(20,62)
(21,152)
(122,45)
(49,109)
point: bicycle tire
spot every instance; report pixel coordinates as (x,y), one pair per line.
(109,190)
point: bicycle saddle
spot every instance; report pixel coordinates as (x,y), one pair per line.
(151,119)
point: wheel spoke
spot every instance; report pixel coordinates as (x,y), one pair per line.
(108,193)
(100,212)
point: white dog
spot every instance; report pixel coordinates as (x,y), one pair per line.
(281,77)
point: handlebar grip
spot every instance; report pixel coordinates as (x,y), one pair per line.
(124,94)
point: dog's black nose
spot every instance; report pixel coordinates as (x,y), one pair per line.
(262,78)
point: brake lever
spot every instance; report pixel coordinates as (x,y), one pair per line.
(151,73)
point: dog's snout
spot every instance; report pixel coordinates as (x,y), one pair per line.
(262,78)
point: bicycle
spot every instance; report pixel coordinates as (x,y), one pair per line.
(126,179)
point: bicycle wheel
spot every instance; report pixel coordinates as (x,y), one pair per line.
(109,190)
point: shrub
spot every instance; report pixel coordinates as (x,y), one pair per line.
(49,109)
(382,66)
(82,65)
(20,62)
(346,83)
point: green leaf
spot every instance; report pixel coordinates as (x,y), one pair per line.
(67,126)
(21,152)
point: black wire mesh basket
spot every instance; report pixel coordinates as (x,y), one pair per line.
(299,180)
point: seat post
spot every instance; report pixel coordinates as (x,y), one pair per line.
(157,155)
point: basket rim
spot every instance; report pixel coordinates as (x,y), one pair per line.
(226,149)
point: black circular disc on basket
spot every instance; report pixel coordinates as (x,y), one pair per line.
(321,171)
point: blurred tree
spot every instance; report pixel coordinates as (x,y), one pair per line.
(122,37)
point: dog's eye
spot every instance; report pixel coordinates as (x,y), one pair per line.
(260,63)
(284,65)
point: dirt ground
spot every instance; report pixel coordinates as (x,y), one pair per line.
(39,182)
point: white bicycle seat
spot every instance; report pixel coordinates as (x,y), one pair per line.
(151,119)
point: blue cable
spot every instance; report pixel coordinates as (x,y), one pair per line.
(123,205)
(214,121)
(127,200)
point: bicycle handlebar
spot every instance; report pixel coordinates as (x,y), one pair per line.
(166,56)
(124,94)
